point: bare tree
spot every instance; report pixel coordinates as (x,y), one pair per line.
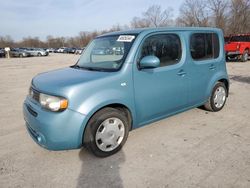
(154,17)
(158,18)
(239,20)
(139,22)
(84,38)
(6,41)
(193,13)
(230,15)
(218,13)
(31,42)
(116,27)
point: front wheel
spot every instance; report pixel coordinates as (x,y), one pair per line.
(106,132)
(218,98)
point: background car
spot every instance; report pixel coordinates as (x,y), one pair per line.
(37,51)
(50,50)
(2,53)
(79,50)
(69,50)
(238,47)
(15,52)
(102,51)
(60,50)
(118,50)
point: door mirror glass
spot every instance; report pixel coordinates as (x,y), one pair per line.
(149,62)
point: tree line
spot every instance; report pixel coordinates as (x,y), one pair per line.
(232,16)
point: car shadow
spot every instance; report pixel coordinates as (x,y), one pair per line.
(243,79)
(235,61)
(100,172)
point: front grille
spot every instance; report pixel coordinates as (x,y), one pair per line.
(34,94)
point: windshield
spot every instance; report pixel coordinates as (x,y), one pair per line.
(238,39)
(106,53)
(226,39)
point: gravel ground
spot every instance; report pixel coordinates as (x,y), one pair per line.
(192,149)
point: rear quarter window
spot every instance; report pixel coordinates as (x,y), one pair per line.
(204,46)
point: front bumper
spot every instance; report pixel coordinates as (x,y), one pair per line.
(233,53)
(52,130)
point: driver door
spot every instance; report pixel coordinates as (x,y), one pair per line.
(160,91)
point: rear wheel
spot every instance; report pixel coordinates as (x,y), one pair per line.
(106,132)
(244,56)
(218,98)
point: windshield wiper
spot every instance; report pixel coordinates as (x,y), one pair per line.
(94,69)
(87,68)
(75,66)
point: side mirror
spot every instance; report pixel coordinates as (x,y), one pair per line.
(149,62)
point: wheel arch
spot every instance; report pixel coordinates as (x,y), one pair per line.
(226,82)
(219,77)
(124,108)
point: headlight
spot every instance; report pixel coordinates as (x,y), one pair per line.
(53,103)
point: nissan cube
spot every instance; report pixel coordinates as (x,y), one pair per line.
(124,80)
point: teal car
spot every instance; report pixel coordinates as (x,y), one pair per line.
(97,101)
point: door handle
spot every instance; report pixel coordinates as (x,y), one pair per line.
(212,67)
(181,73)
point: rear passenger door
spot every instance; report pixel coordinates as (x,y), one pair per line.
(163,90)
(204,51)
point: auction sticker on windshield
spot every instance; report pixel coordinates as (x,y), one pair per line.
(125,38)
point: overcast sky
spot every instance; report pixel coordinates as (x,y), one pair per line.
(68,17)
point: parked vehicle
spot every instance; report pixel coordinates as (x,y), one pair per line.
(102,51)
(238,47)
(226,39)
(56,50)
(2,53)
(79,50)
(118,51)
(50,50)
(69,50)
(15,52)
(97,101)
(37,51)
(61,50)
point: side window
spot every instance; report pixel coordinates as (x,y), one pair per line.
(204,46)
(167,47)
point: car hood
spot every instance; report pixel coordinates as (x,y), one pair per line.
(61,80)
(232,46)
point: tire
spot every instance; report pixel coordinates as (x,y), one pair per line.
(105,143)
(226,58)
(21,55)
(244,56)
(217,99)
(39,54)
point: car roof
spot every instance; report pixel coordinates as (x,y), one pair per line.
(149,30)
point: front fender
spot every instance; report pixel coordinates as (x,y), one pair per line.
(104,98)
(101,99)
